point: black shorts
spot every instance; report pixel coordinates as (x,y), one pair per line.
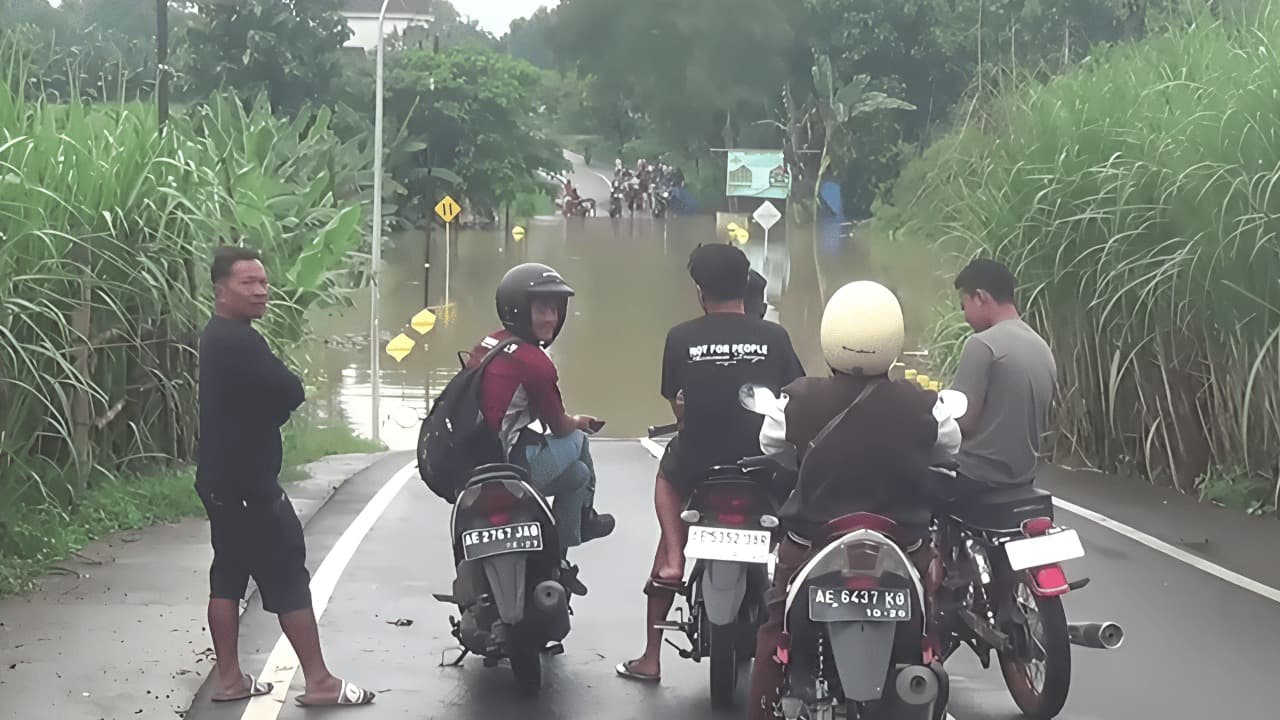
(669,464)
(262,539)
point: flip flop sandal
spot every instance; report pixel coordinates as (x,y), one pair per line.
(351,694)
(624,670)
(255,689)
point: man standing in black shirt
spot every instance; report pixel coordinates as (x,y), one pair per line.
(705,363)
(246,395)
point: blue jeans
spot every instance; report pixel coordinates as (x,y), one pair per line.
(561,467)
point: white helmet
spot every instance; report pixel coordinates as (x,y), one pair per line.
(862,329)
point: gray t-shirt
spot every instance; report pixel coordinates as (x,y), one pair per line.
(1012,369)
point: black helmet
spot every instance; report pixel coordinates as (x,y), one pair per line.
(516,292)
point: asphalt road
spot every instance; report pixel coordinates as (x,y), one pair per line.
(1196,647)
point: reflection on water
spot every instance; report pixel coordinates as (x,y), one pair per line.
(632,285)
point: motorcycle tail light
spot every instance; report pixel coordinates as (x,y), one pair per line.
(500,518)
(1050,580)
(1034,527)
(861,557)
(730,505)
(861,582)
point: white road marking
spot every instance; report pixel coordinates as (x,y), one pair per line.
(654,448)
(1176,553)
(282,663)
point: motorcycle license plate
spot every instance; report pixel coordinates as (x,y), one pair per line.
(1044,550)
(485,542)
(861,605)
(707,543)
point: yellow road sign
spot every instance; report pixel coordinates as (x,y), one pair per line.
(448,209)
(400,346)
(423,321)
(517,232)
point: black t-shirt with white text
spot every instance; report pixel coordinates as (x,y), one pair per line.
(710,359)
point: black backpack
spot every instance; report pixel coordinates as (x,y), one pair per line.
(454,438)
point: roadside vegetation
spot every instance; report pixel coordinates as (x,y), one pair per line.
(1133,196)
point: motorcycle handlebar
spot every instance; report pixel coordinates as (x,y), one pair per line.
(660,430)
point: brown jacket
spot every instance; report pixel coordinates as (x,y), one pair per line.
(875,459)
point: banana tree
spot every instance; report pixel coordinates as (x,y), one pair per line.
(837,107)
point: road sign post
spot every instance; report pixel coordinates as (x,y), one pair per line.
(768,216)
(448,210)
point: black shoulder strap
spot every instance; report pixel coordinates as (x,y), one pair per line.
(512,340)
(836,420)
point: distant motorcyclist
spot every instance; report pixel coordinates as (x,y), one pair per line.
(1008,373)
(704,364)
(875,458)
(521,402)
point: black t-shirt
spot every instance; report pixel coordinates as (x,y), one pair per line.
(246,394)
(710,359)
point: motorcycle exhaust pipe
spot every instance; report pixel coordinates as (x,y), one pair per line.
(1096,635)
(916,685)
(551,604)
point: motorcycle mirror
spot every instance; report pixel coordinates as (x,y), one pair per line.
(758,399)
(956,402)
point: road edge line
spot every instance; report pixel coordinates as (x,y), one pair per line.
(654,448)
(1160,546)
(282,663)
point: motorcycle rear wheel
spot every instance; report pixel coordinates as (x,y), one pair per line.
(724,664)
(1040,687)
(526,667)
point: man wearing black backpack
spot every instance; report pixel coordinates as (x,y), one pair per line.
(521,402)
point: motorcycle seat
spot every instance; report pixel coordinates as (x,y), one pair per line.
(1002,510)
(497,471)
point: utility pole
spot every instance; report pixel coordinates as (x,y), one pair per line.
(162,61)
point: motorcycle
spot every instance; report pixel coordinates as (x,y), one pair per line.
(854,640)
(661,199)
(507,586)
(615,201)
(732,518)
(1002,590)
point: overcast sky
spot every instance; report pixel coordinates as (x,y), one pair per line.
(496,15)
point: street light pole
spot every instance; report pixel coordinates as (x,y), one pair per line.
(374,355)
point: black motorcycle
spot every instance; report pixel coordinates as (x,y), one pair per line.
(1002,591)
(508,563)
(732,519)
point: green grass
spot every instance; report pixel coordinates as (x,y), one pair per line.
(1134,198)
(41,537)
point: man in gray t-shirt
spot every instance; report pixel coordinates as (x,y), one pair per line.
(1008,373)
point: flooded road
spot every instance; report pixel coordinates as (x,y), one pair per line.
(632,285)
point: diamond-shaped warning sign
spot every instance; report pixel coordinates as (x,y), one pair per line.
(423,321)
(400,346)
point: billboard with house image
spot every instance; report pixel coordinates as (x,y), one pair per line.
(758,174)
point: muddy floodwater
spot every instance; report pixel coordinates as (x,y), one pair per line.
(632,285)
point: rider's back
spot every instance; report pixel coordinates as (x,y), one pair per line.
(710,359)
(1012,368)
(874,459)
